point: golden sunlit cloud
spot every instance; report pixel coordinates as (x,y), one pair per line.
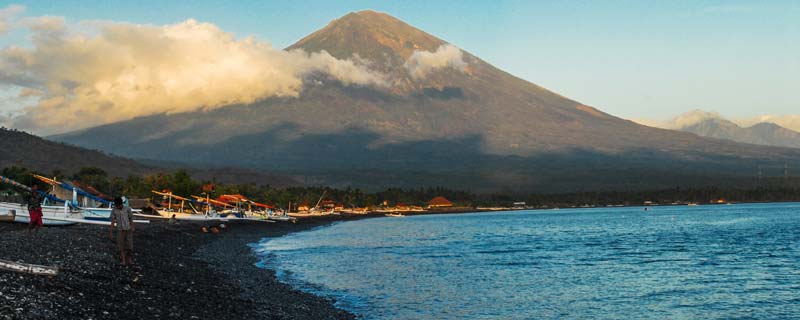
(107,71)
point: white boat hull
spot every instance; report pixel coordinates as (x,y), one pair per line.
(186,216)
(47,211)
(101,213)
(281,218)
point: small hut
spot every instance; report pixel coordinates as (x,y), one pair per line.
(439,202)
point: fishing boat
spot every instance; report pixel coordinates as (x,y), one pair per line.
(49,208)
(95,207)
(395,215)
(179,212)
(250,209)
(51,215)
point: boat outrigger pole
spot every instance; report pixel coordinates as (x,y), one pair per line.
(27,188)
(170,196)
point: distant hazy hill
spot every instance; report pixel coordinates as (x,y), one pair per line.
(715,126)
(469,126)
(26,150)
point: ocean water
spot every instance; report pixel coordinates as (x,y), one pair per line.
(704,262)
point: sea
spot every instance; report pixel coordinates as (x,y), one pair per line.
(668,262)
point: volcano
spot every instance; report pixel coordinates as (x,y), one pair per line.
(444,118)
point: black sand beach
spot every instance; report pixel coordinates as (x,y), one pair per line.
(180,273)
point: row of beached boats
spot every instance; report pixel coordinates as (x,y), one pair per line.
(87,205)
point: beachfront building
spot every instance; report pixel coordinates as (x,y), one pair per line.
(303,207)
(439,202)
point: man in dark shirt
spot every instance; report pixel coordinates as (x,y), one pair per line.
(34,202)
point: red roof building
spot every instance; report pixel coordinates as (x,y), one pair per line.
(439,202)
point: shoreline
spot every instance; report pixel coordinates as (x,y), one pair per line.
(180,273)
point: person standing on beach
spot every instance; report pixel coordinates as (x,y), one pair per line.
(122,220)
(34,202)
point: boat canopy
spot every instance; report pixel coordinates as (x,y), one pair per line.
(70,187)
(212,201)
(237,198)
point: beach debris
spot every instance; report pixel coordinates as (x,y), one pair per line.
(28,268)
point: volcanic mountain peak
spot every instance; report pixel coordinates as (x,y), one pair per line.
(454,121)
(371,35)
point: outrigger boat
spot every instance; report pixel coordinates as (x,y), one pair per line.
(94,207)
(52,215)
(314,211)
(229,212)
(49,212)
(179,212)
(267,212)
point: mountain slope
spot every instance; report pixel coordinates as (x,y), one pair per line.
(464,124)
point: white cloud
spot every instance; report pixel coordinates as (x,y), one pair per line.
(116,71)
(7,15)
(421,63)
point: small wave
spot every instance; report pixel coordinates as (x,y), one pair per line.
(516,264)
(662,260)
(729,222)
(503,251)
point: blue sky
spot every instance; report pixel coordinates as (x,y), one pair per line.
(634,59)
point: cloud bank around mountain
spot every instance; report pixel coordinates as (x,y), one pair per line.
(97,72)
(422,63)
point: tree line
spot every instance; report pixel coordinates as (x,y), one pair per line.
(180,182)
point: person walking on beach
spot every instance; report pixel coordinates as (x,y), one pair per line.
(122,220)
(34,202)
